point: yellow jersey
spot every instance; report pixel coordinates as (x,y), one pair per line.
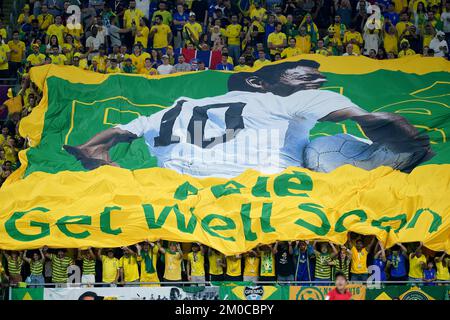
(233,33)
(172,270)
(36,59)
(401,26)
(58,31)
(4,50)
(153,253)
(251,266)
(21,18)
(242,68)
(132,15)
(101,62)
(442,271)
(303,43)
(58,59)
(234,267)
(139,60)
(359,261)
(160,39)
(143,38)
(290,52)
(390,43)
(215,267)
(276,38)
(45,20)
(258,13)
(148,72)
(109,269)
(130,269)
(258,63)
(194,30)
(115,70)
(348,36)
(19,48)
(415,268)
(408,52)
(197,262)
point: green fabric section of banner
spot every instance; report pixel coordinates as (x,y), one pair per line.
(254,292)
(77,111)
(408,293)
(27,294)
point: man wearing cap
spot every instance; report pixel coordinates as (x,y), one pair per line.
(161,34)
(405,50)
(439,45)
(284,97)
(36,58)
(192,30)
(165,67)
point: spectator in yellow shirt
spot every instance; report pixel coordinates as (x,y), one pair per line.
(110,267)
(417,263)
(321,49)
(405,49)
(113,67)
(353,37)
(303,41)
(258,12)
(233,35)
(277,40)
(17,52)
(132,16)
(251,266)
(45,19)
(404,24)
(142,33)
(262,61)
(128,267)
(196,264)
(358,268)
(390,39)
(173,257)
(234,268)
(4,58)
(25,17)
(58,58)
(192,30)
(442,264)
(57,29)
(36,58)
(148,68)
(138,57)
(292,50)
(161,34)
(242,66)
(147,258)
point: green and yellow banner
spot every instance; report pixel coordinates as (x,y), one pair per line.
(320,292)
(98,172)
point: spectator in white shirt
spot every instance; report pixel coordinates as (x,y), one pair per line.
(439,45)
(166,67)
(349,51)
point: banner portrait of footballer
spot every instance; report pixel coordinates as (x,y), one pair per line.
(225,135)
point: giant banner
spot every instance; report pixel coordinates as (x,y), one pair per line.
(310,148)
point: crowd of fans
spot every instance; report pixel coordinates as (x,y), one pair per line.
(155,263)
(157,37)
(161,37)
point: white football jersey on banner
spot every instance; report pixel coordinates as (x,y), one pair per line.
(225,135)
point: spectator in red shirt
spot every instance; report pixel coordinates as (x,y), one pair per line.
(340,292)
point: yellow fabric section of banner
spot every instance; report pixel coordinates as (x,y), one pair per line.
(111,207)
